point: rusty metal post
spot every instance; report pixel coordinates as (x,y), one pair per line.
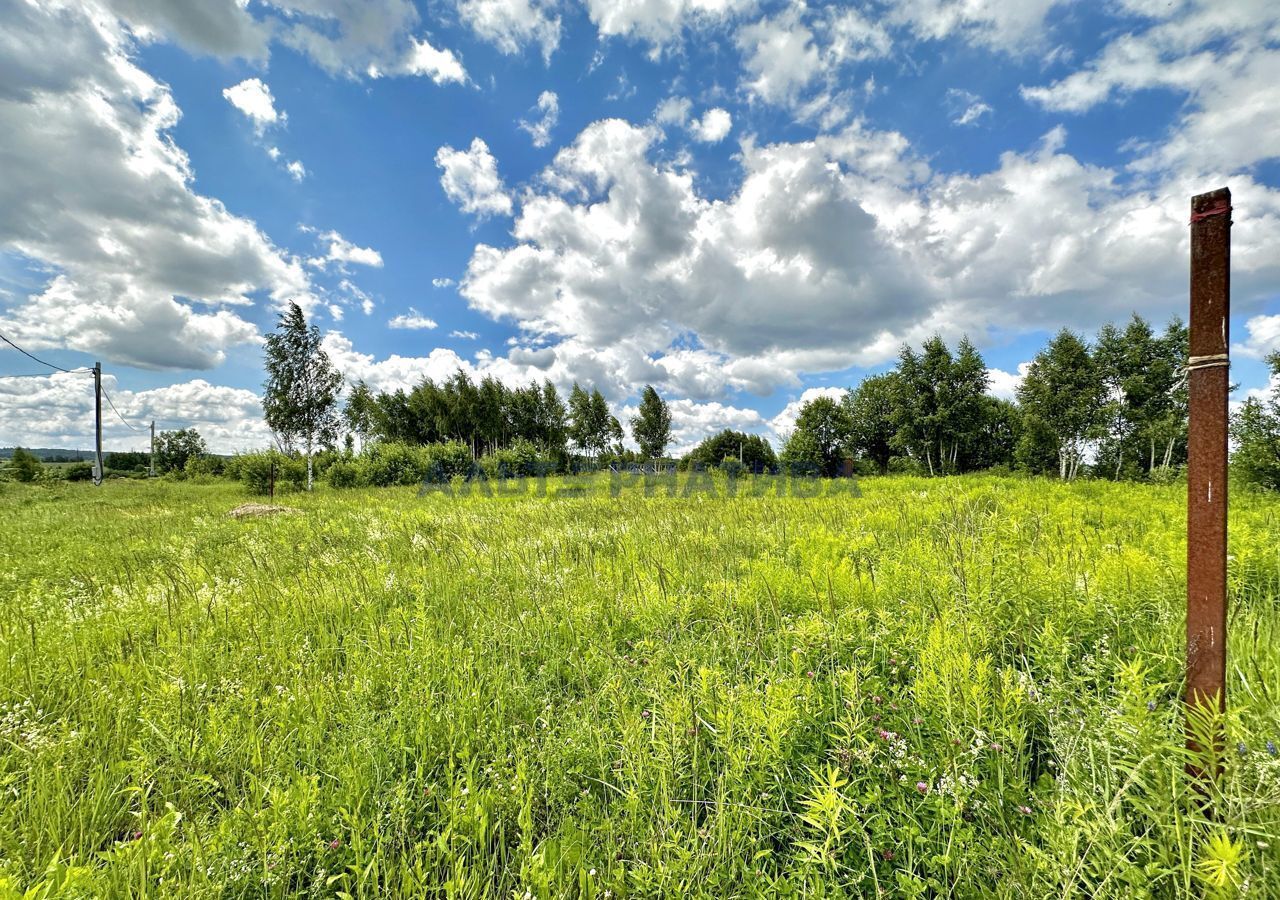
(1207,385)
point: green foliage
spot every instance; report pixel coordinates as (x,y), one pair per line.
(78,471)
(174,449)
(967,688)
(651,426)
(1255,430)
(300,396)
(821,437)
(1061,398)
(267,470)
(870,412)
(23,466)
(751,449)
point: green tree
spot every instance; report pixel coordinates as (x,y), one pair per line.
(964,404)
(1255,431)
(822,427)
(751,450)
(174,448)
(1143,412)
(651,426)
(359,412)
(917,409)
(1061,399)
(24,466)
(300,396)
(552,422)
(870,408)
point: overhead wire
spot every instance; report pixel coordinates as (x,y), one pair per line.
(117,412)
(38,359)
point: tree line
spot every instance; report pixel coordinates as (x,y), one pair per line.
(1120,402)
(1116,405)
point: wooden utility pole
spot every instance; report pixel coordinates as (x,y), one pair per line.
(1207,386)
(151,463)
(97,423)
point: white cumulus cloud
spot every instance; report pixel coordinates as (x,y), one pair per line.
(470,179)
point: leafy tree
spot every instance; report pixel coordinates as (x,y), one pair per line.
(651,426)
(24,466)
(591,426)
(802,454)
(1144,400)
(1061,398)
(300,395)
(582,426)
(174,448)
(999,428)
(552,421)
(1255,430)
(917,413)
(359,413)
(822,427)
(964,403)
(870,409)
(751,450)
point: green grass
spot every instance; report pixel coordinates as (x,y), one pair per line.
(959,687)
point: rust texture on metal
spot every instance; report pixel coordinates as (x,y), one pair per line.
(1207,383)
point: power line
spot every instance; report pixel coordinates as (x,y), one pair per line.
(117,412)
(31,375)
(36,358)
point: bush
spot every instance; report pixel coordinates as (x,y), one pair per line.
(254,470)
(905,465)
(80,471)
(447,460)
(388,463)
(344,473)
(24,466)
(205,466)
(732,466)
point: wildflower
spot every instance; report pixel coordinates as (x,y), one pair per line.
(875,717)
(137,835)
(1271,748)
(999,748)
(922,787)
(335,844)
(886,855)
(1025,810)
(592,873)
(916,720)
(809,674)
(885,735)
(1241,748)
(645,714)
(1151,706)
(877,699)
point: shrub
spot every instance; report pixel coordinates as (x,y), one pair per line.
(446,460)
(205,466)
(25,466)
(80,471)
(344,473)
(254,470)
(387,463)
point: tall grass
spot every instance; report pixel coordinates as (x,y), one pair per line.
(964,687)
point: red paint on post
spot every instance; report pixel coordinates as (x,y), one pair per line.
(1207,384)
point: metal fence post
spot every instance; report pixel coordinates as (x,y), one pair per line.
(1207,385)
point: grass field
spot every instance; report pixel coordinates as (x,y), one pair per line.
(959,687)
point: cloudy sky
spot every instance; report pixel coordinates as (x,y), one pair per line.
(742,203)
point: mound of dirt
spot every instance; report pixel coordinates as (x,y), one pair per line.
(252,510)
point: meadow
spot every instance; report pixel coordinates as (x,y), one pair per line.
(960,687)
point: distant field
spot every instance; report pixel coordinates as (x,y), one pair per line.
(957,687)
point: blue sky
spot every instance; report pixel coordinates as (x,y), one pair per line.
(742,203)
